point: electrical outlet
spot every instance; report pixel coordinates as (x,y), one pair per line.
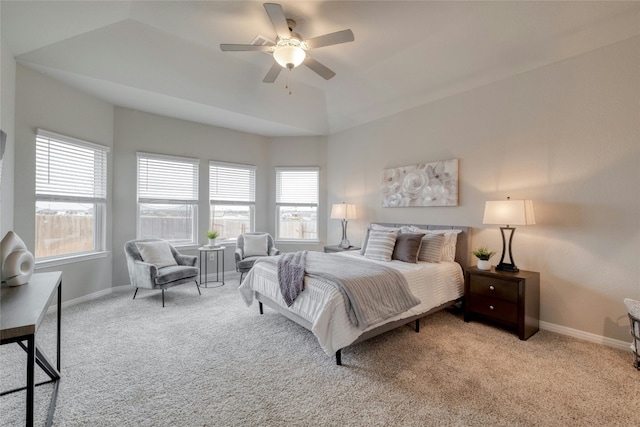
(212,256)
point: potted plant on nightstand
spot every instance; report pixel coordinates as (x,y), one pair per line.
(212,235)
(484,255)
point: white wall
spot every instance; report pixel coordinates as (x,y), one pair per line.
(566,136)
(44,103)
(7,120)
(137,131)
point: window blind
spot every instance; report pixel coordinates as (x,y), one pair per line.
(71,170)
(167,179)
(297,186)
(231,183)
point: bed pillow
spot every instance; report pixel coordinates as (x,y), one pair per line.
(431,249)
(407,247)
(450,240)
(156,253)
(380,245)
(379,227)
(256,245)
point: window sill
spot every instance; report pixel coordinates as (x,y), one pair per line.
(54,262)
(298,242)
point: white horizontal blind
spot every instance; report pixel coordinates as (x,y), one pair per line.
(297,186)
(167,179)
(71,170)
(231,183)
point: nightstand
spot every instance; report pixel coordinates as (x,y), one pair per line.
(337,248)
(509,299)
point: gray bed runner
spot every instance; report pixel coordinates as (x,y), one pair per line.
(372,292)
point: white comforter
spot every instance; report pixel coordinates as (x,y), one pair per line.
(323,306)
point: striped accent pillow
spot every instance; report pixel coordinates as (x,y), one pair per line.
(431,249)
(380,245)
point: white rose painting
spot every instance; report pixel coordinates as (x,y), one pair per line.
(427,184)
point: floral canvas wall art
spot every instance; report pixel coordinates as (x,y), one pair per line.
(426,184)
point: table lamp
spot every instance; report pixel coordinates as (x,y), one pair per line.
(343,211)
(508,212)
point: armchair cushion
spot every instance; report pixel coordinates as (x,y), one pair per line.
(246,263)
(157,253)
(174,273)
(256,245)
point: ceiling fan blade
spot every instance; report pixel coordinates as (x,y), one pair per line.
(279,21)
(245,47)
(318,68)
(338,37)
(273,73)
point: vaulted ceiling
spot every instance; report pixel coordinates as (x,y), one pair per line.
(164,57)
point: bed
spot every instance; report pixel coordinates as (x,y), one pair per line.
(321,309)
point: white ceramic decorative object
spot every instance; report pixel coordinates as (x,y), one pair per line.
(484,264)
(212,242)
(17,261)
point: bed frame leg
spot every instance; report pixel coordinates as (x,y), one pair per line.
(260,305)
(417,325)
(339,357)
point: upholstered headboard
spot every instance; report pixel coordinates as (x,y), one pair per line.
(463,245)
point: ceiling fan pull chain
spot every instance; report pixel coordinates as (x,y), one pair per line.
(287,86)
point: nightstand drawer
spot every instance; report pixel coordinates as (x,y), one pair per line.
(494,288)
(495,308)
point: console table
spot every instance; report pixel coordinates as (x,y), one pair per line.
(22,309)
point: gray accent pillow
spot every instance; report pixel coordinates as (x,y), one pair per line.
(256,245)
(380,245)
(156,253)
(407,247)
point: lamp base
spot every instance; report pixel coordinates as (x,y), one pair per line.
(345,244)
(510,268)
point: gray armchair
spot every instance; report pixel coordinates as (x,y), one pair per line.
(149,276)
(244,259)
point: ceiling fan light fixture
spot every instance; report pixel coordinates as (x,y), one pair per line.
(289,53)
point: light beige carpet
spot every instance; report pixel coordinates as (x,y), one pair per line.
(211,361)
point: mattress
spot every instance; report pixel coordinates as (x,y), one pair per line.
(323,306)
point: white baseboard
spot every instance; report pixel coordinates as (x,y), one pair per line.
(85,298)
(586,336)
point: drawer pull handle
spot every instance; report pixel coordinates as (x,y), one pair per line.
(491,307)
(492,288)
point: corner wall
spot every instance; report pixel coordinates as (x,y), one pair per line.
(566,136)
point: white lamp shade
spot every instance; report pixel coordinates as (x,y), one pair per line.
(509,212)
(343,211)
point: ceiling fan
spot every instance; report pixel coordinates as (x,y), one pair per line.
(290,49)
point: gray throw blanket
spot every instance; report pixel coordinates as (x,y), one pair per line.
(291,275)
(372,292)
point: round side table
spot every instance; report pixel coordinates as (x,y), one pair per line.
(219,254)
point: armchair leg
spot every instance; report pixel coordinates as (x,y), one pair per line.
(134,294)
(163,298)
(199,293)
(241,274)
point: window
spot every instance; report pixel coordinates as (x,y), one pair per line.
(167,198)
(71,196)
(297,203)
(232,198)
